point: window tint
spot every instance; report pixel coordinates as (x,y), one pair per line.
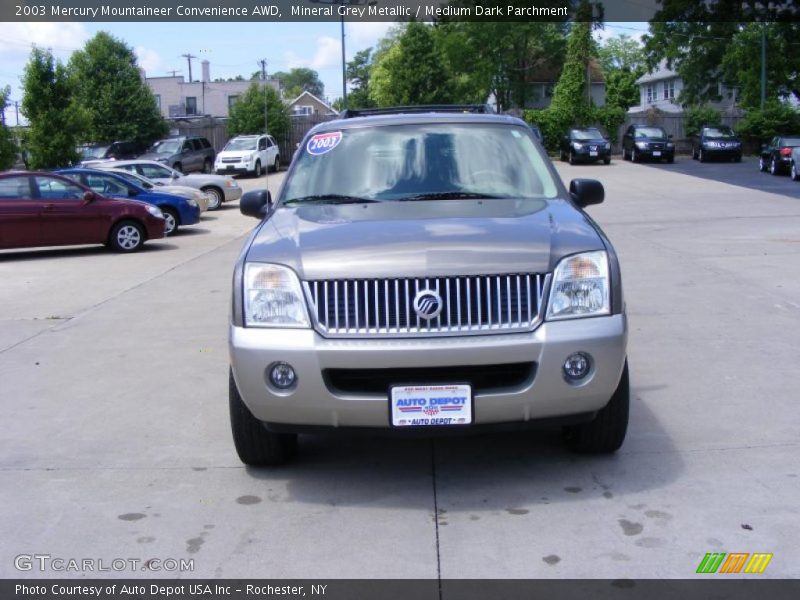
(262,144)
(204,143)
(15,188)
(51,188)
(106,185)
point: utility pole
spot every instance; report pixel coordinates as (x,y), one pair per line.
(763,66)
(189,58)
(263,63)
(16,111)
(344,68)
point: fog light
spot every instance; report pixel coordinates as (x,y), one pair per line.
(282,375)
(577,366)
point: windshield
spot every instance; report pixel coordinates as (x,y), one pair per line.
(94,152)
(586,134)
(166,147)
(421,161)
(241,144)
(651,132)
(719,133)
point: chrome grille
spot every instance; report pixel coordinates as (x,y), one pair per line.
(385,307)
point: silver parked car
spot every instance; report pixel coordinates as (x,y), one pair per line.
(218,188)
(425,271)
(179,190)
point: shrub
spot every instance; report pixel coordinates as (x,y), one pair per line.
(697,116)
(776,118)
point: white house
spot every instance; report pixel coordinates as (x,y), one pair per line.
(177,97)
(661,88)
(307,104)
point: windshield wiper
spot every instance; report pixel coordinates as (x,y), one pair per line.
(454,195)
(330,199)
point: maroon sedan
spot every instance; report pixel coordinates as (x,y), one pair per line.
(43,209)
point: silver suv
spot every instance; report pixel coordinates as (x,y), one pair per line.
(425,271)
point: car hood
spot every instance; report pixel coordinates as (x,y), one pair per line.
(155,155)
(412,239)
(598,141)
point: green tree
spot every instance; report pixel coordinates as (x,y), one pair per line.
(697,116)
(710,43)
(57,123)
(358,73)
(621,88)
(247,113)
(412,70)
(8,146)
(621,52)
(299,80)
(108,85)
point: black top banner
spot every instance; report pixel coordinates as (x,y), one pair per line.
(397,10)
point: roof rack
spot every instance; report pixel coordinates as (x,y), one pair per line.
(350,113)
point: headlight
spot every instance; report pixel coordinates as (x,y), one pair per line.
(641,145)
(580,287)
(670,144)
(273,297)
(231,183)
(577,145)
(155,211)
(608,145)
(191,202)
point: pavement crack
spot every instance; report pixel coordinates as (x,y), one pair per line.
(436,517)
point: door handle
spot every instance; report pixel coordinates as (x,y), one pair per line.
(49,207)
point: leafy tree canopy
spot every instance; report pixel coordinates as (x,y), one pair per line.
(299,80)
(109,87)
(8,146)
(247,113)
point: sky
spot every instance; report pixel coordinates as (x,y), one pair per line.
(231,48)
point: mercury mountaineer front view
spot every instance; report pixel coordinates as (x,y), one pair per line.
(425,270)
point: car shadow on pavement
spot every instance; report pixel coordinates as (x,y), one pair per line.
(744,174)
(79,251)
(497,472)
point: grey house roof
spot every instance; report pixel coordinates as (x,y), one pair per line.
(660,72)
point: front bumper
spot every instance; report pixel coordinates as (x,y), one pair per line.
(716,152)
(312,403)
(232,193)
(651,153)
(585,154)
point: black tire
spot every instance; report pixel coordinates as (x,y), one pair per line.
(571,158)
(762,165)
(607,161)
(171,221)
(254,444)
(207,166)
(671,158)
(635,157)
(562,156)
(625,154)
(694,153)
(701,156)
(215,197)
(276,166)
(773,167)
(795,173)
(606,432)
(257,170)
(126,237)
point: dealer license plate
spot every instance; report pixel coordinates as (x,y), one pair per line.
(656,152)
(592,152)
(431,405)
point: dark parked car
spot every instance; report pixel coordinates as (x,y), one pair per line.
(718,141)
(645,141)
(112,151)
(183,153)
(177,209)
(585,145)
(43,209)
(776,157)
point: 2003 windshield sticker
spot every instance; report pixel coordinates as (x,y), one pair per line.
(322,143)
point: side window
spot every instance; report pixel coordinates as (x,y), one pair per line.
(15,188)
(262,143)
(204,143)
(56,189)
(106,185)
(197,144)
(270,142)
(153,172)
(187,146)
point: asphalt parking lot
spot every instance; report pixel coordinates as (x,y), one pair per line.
(116,437)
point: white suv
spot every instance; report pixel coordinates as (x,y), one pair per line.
(250,154)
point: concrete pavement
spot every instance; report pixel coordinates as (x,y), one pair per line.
(116,438)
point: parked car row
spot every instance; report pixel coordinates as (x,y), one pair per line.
(781,155)
(114,204)
(244,154)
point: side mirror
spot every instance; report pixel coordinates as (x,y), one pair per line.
(585,192)
(88,197)
(255,204)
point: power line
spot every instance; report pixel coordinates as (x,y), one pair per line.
(189,58)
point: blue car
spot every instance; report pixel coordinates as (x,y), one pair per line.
(177,209)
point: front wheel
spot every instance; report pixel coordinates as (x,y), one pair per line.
(773,166)
(257,170)
(671,158)
(762,165)
(794,172)
(634,155)
(254,444)
(607,161)
(214,196)
(606,432)
(702,156)
(276,166)
(571,158)
(171,222)
(126,236)
(207,166)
